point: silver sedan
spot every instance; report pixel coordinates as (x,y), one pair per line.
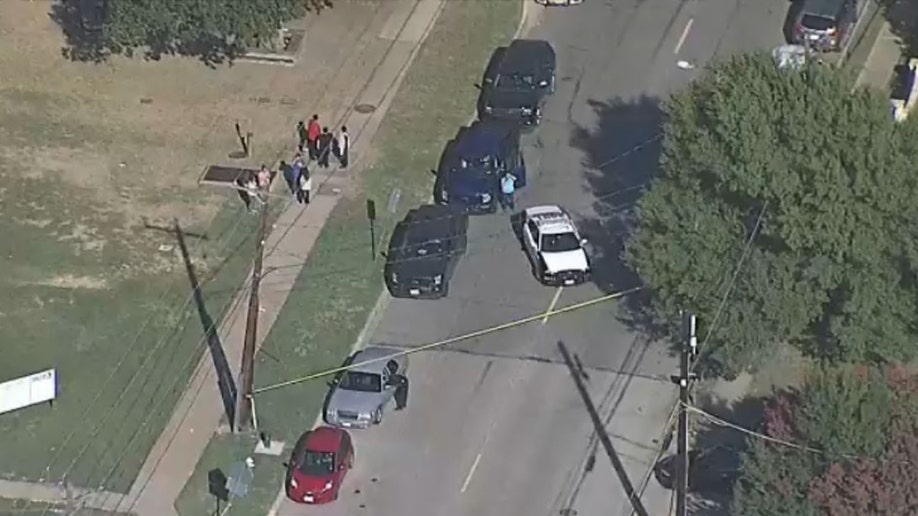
(359,396)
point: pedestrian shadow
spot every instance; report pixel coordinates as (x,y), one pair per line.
(577,374)
(622,155)
(225,381)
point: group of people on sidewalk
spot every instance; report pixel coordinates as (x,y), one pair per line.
(319,142)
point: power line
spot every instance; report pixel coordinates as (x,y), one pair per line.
(739,265)
(348,110)
(450,340)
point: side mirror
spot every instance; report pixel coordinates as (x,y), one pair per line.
(384,254)
(543,84)
(342,466)
(479,87)
(433,172)
(584,241)
(285,464)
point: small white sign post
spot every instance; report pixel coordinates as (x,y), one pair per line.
(28,390)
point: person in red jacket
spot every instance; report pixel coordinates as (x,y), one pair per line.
(312,137)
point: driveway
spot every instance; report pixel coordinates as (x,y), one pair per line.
(495,424)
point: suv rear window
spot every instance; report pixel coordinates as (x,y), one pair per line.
(815,22)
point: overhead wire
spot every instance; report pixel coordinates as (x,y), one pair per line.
(443,342)
(343,117)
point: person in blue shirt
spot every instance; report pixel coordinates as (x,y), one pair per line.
(507,189)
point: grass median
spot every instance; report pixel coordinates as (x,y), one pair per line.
(340,283)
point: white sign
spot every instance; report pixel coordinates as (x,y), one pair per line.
(28,390)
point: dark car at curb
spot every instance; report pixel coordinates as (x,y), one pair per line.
(518,80)
(824,25)
(423,252)
(472,163)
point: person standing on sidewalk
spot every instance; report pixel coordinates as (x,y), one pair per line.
(342,146)
(304,185)
(507,189)
(312,137)
(325,147)
(301,135)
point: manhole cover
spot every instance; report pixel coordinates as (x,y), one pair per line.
(364,108)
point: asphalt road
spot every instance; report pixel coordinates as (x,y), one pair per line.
(495,425)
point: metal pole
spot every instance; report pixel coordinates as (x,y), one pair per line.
(682,446)
(244,420)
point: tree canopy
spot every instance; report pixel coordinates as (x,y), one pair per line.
(860,427)
(211,28)
(832,267)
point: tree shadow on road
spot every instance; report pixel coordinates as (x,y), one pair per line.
(622,156)
(716,452)
(902,16)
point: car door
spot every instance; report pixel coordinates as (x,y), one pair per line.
(343,459)
(531,238)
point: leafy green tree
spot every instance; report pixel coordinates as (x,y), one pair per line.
(845,425)
(822,178)
(214,29)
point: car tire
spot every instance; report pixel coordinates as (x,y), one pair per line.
(377,416)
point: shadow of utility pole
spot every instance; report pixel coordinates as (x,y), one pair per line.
(598,426)
(221,365)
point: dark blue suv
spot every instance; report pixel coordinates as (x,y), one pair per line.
(472,164)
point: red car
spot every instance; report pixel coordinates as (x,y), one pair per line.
(318,464)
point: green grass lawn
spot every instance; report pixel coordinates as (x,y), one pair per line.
(15,507)
(340,283)
(123,356)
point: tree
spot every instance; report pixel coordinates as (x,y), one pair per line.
(854,443)
(824,177)
(213,29)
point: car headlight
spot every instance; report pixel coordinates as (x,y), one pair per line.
(364,416)
(444,195)
(486,198)
(438,279)
(526,111)
(293,483)
(328,485)
(488,109)
(394,277)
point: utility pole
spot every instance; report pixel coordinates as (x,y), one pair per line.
(684,380)
(244,420)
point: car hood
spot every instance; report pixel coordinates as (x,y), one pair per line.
(465,185)
(566,261)
(355,401)
(306,484)
(421,267)
(513,99)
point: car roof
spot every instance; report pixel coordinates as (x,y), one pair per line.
(324,439)
(482,138)
(827,8)
(428,222)
(372,353)
(550,219)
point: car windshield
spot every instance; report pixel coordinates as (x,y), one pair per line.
(426,248)
(317,464)
(815,22)
(560,243)
(517,81)
(363,382)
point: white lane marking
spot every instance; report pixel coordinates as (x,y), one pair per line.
(551,307)
(468,478)
(685,31)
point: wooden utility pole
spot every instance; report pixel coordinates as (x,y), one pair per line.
(684,380)
(244,421)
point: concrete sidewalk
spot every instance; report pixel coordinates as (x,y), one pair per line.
(375,69)
(365,68)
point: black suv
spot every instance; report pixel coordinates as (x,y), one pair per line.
(424,250)
(518,80)
(825,25)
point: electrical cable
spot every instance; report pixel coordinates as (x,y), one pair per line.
(348,110)
(440,343)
